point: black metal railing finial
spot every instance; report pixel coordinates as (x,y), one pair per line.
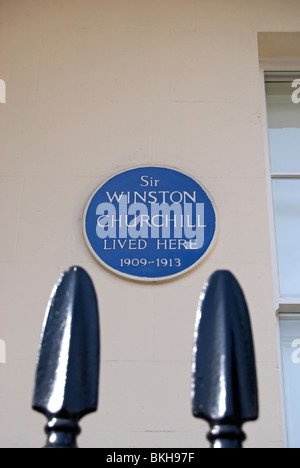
(66,383)
(224,384)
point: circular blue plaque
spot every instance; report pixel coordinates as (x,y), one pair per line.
(150,223)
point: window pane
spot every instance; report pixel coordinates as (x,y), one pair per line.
(290,349)
(284,127)
(286,196)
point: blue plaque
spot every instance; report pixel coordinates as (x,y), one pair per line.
(150,223)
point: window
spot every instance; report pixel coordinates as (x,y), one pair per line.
(283,115)
(290,354)
(284,143)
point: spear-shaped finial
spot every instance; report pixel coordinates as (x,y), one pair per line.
(66,384)
(224,385)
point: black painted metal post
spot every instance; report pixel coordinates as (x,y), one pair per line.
(224,384)
(67,375)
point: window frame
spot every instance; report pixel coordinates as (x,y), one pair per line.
(285,307)
(283,304)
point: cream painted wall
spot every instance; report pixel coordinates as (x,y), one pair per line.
(96,86)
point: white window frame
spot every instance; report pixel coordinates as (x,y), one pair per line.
(285,307)
(282,304)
